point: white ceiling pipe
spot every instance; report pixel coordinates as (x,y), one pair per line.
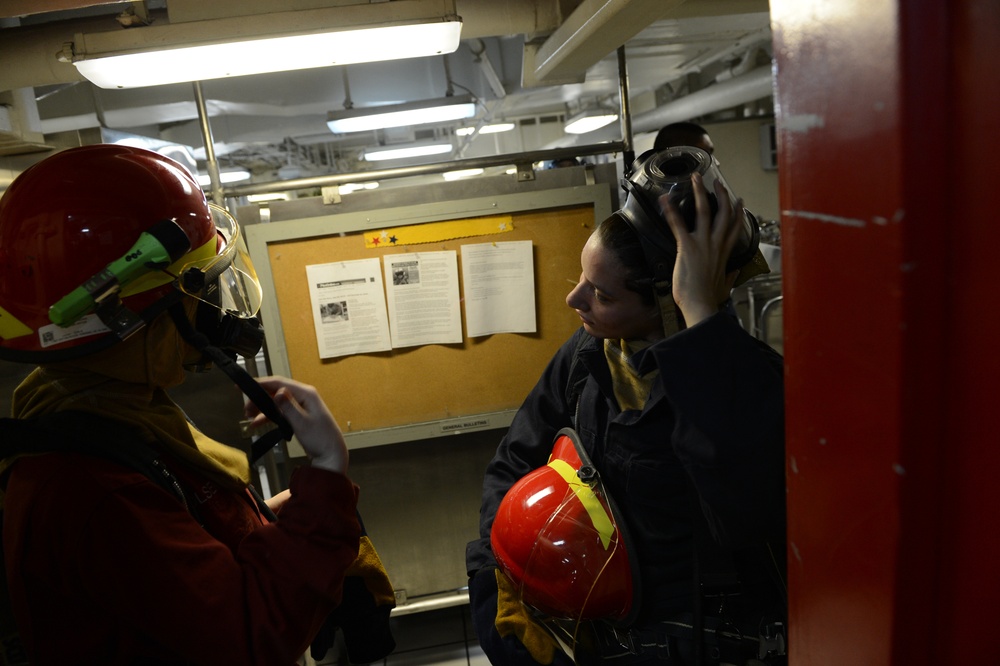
(34,49)
(506,18)
(750,87)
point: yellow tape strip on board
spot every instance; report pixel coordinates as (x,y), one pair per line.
(11,327)
(602,521)
(435,232)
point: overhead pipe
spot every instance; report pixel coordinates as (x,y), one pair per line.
(717,97)
(34,49)
(526,158)
(628,153)
(206,135)
(742,66)
(756,84)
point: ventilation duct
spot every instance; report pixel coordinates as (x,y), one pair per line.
(752,86)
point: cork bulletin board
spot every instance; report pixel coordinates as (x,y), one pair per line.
(430,390)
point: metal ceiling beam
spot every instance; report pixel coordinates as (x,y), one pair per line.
(18,8)
(526,159)
(594,29)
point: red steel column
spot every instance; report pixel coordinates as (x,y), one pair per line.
(888,115)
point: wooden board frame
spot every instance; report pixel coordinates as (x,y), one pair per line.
(557,221)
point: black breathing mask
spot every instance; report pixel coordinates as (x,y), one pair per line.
(669,172)
(236,336)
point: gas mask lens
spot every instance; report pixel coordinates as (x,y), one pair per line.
(226,280)
(669,172)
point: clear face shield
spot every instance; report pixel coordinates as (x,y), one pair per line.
(228,289)
(226,280)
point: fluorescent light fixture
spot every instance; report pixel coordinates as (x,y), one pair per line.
(225,177)
(461,173)
(401,115)
(267,196)
(347,188)
(404,152)
(239,45)
(589,120)
(485,129)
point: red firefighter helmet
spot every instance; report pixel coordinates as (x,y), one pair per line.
(558,537)
(94,235)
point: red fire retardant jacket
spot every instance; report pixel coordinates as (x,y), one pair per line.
(115,570)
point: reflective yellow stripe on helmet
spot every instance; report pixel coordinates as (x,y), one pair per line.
(598,515)
(12,327)
(201,255)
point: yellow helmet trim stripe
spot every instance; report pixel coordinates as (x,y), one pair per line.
(152,280)
(598,514)
(12,327)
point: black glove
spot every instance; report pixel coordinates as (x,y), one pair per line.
(506,631)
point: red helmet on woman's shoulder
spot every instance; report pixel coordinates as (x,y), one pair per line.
(558,537)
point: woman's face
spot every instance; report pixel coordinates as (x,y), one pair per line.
(606,306)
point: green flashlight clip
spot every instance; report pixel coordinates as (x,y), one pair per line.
(161,245)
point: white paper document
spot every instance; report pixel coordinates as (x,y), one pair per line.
(422,295)
(499,284)
(348,307)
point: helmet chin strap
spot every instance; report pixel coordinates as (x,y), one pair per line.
(251,389)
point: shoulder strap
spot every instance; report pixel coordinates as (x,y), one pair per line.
(72,432)
(89,434)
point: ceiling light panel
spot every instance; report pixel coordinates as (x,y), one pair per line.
(588,121)
(401,115)
(282,41)
(406,152)
(485,129)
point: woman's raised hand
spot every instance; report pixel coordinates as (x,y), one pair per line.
(700,281)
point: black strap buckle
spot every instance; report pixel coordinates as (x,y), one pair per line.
(772,640)
(624,638)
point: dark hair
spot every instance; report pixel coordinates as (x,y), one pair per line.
(618,237)
(679,134)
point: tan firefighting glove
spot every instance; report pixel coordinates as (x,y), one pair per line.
(507,633)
